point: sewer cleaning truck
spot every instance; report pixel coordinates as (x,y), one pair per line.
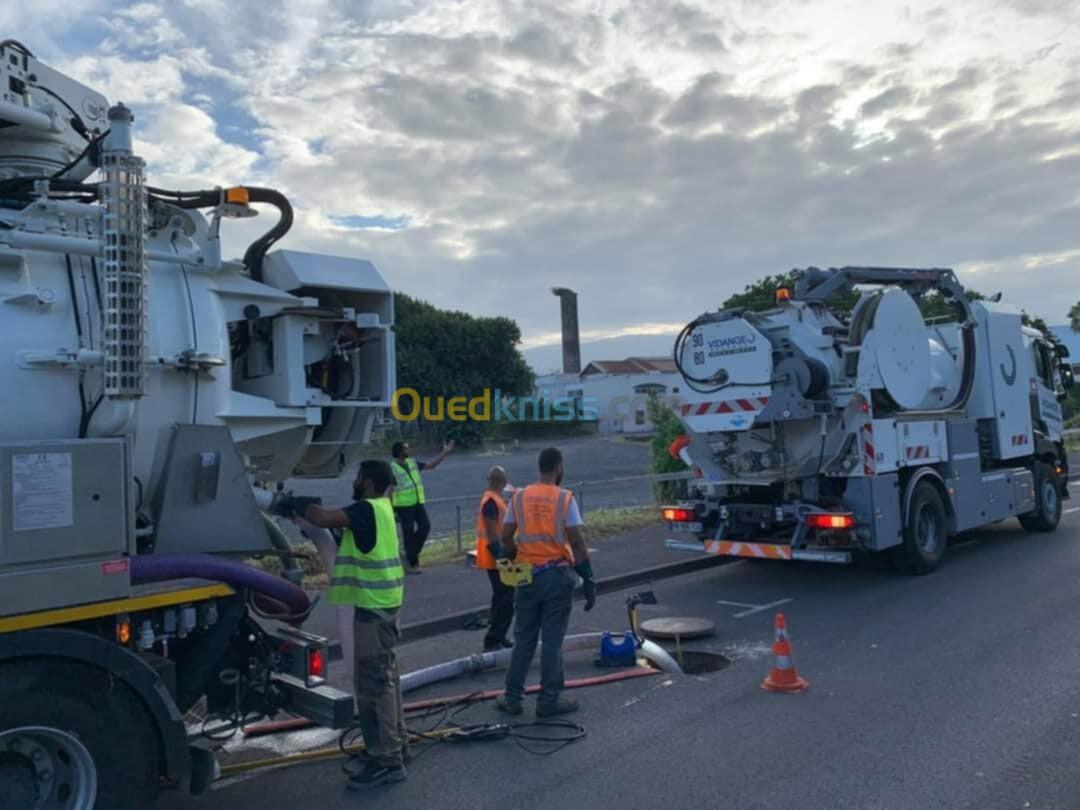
(821,431)
(152,391)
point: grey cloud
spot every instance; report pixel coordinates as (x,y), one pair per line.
(438,109)
(707,102)
(815,104)
(541,44)
(886,101)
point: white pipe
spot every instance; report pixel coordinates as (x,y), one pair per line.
(79,246)
(23,116)
(481,662)
(327,548)
(112,418)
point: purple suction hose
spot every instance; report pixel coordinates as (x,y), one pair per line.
(158,567)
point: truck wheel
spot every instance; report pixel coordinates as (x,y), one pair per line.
(70,735)
(1047,512)
(926,532)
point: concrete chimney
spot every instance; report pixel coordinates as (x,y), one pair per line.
(571,341)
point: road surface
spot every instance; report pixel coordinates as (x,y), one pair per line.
(960,689)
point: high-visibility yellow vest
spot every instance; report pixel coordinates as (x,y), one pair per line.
(408,485)
(540,513)
(373,580)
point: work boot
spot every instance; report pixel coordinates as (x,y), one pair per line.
(375,774)
(495,646)
(507,706)
(561,706)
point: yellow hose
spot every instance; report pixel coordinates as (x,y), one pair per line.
(314,756)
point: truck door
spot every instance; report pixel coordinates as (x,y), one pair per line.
(1045,387)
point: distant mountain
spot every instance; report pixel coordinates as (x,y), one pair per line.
(546,359)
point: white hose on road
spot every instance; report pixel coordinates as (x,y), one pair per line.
(482,662)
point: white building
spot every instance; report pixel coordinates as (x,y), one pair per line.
(617,391)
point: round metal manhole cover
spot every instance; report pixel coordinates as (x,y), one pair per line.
(681,627)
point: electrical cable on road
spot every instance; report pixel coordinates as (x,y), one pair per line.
(446,729)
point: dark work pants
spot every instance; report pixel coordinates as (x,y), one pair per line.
(415,527)
(542,612)
(502,610)
(378,686)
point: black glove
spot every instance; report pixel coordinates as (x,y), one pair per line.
(291,506)
(496,549)
(588,583)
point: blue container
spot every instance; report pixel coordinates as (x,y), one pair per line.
(617,651)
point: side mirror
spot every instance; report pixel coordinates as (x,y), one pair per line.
(1061,350)
(1067,378)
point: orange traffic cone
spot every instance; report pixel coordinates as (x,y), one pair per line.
(783,677)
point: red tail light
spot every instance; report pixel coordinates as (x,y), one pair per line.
(316,665)
(830,522)
(678,515)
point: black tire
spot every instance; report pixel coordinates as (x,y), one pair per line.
(1047,513)
(84,703)
(925,534)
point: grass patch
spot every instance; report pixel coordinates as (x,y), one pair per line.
(599,525)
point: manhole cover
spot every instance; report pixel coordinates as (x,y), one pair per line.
(697,662)
(681,627)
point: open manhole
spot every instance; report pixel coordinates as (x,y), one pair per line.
(700,662)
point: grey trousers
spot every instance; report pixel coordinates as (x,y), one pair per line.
(378,686)
(542,611)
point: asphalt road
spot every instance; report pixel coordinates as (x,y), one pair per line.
(460,479)
(960,689)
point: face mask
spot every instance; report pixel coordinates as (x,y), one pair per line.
(559,477)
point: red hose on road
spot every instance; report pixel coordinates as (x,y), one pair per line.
(298,723)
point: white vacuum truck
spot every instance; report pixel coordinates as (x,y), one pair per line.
(815,435)
(148,385)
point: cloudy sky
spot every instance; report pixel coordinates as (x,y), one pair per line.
(654,156)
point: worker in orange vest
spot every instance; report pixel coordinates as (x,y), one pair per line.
(489,526)
(547,523)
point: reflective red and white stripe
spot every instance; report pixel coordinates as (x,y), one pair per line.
(868,448)
(724,406)
(1020,439)
(764,551)
(918,451)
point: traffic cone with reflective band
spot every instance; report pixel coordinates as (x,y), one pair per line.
(783,677)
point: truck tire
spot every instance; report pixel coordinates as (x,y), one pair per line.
(925,534)
(1047,512)
(67,732)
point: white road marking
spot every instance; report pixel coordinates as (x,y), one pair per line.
(1070,511)
(751,609)
(760,608)
(734,604)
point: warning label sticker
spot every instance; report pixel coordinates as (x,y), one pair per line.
(41,491)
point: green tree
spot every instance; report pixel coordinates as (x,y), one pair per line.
(1074,317)
(666,428)
(449,354)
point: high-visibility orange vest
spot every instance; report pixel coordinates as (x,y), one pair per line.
(484,558)
(540,511)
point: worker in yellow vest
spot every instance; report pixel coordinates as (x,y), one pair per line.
(542,529)
(489,526)
(409,499)
(368,575)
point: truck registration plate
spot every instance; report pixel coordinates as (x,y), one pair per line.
(686,527)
